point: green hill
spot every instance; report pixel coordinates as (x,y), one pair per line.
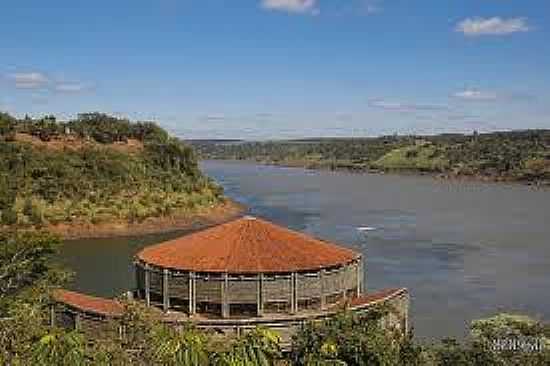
(95,169)
(511,156)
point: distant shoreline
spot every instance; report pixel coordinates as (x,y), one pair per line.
(205,217)
(443,176)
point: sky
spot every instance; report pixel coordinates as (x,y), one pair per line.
(272,69)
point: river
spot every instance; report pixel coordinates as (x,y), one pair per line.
(465,250)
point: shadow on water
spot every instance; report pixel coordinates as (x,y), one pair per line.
(104,267)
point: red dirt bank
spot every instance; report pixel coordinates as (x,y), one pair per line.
(221,213)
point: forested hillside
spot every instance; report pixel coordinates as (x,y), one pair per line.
(95,169)
(510,156)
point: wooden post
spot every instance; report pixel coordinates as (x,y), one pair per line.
(191,288)
(359,274)
(260,295)
(225,302)
(77,324)
(293,293)
(52,315)
(323,299)
(147,285)
(343,274)
(137,268)
(405,309)
(296,297)
(363,277)
(165,291)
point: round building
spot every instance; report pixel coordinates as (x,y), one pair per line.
(246,268)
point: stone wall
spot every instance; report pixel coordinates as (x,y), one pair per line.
(395,301)
(93,325)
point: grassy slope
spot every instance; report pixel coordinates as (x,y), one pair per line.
(82,181)
(421,158)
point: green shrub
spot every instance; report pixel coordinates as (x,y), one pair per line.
(9,216)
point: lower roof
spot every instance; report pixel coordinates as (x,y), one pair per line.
(89,304)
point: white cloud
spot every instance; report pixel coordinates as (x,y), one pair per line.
(70,87)
(213,118)
(406,107)
(38,81)
(368,7)
(496,26)
(476,95)
(30,80)
(387,105)
(292,6)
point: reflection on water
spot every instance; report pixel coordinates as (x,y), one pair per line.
(465,250)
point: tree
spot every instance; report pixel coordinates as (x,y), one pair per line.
(7,127)
(59,348)
(25,263)
(178,347)
(260,347)
(352,340)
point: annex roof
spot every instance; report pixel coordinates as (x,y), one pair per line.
(91,304)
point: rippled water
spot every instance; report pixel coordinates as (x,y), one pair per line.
(464,249)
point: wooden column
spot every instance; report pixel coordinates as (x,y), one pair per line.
(165,290)
(343,274)
(363,276)
(137,268)
(77,324)
(225,297)
(293,293)
(191,288)
(359,269)
(260,294)
(296,297)
(323,299)
(147,285)
(52,315)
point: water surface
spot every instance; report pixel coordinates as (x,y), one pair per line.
(464,249)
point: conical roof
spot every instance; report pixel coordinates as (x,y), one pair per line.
(246,245)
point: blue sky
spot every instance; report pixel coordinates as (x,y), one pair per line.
(261,69)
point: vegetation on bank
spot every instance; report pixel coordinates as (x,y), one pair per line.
(511,156)
(94,169)
(26,338)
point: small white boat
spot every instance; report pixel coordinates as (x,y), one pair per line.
(366,228)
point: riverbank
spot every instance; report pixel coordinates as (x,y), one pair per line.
(399,172)
(204,217)
(508,156)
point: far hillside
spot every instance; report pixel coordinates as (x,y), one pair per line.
(96,169)
(499,156)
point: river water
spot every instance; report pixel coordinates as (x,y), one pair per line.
(465,250)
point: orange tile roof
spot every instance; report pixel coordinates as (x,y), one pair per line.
(246,245)
(91,304)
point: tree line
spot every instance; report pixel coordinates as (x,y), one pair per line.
(511,155)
